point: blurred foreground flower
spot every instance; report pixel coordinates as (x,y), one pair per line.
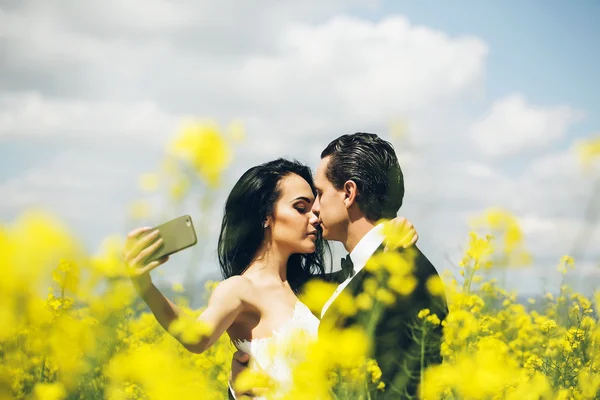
(149,182)
(507,234)
(203,146)
(589,150)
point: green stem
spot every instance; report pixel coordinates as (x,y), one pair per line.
(43,370)
(423,352)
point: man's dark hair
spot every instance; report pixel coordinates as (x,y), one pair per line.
(372,164)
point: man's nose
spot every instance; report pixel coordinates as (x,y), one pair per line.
(316,207)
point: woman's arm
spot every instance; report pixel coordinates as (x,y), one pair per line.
(224,305)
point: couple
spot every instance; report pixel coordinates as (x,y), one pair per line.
(272,241)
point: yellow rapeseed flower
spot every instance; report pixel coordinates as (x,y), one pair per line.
(50,391)
(202,145)
(589,150)
(149,182)
(237,131)
(316,293)
(189,330)
(177,287)
(435,286)
(140,209)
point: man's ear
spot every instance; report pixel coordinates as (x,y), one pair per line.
(350,193)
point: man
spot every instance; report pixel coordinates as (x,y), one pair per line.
(359,182)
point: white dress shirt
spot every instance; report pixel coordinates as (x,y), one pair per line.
(360,255)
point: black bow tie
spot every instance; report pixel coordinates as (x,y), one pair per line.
(347,267)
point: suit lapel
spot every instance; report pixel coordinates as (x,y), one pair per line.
(355,285)
(352,289)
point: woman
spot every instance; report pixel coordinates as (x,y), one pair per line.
(269,246)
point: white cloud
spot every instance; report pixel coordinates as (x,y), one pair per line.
(341,72)
(73,183)
(512,125)
(353,69)
(30,114)
(553,185)
(561,235)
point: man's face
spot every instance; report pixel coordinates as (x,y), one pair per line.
(329,205)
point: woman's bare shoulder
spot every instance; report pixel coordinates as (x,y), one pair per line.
(237,286)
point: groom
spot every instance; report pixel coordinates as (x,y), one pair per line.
(359,182)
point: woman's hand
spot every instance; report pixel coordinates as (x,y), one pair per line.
(400,232)
(138,249)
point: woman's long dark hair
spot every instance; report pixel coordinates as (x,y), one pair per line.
(250,202)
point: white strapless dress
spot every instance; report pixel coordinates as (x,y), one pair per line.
(277,354)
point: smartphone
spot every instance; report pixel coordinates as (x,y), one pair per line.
(177,234)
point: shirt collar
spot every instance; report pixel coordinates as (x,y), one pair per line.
(366,247)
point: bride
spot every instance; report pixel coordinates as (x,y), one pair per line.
(270,244)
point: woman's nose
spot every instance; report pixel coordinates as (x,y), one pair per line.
(314,219)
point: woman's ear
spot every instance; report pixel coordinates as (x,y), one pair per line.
(350,193)
(267,223)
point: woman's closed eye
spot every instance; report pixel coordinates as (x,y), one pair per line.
(301,209)
(302,206)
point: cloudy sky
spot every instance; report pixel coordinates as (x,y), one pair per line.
(494,97)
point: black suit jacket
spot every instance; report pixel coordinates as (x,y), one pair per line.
(394,347)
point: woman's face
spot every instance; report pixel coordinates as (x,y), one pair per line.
(293,225)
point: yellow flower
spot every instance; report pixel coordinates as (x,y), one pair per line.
(435,286)
(201,144)
(392,261)
(177,287)
(478,247)
(364,301)
(109,261)
(423,313)
(251,378)
(50,391)
(236,131)
(316,293)
(370,286)
(589,384)
(385,296)
(140,209)
(149,182)
(179,188)
(189,330)
(403,285)
(344,304)
(506,231)
(589,150)
(433,319)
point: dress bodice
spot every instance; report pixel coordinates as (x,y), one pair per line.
(277,354)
